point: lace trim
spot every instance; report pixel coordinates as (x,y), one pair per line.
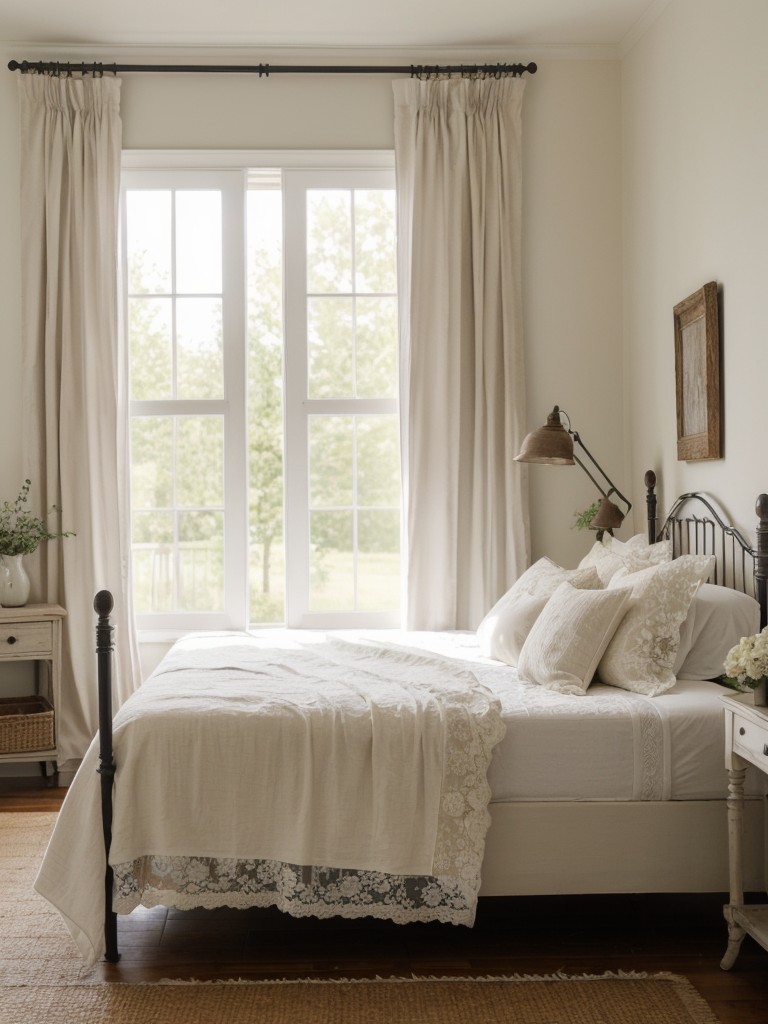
(651,752)
(302,891)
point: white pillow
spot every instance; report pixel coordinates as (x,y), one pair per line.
(568,639)
(717,619)
(609,555)
(502,632)
(642,653)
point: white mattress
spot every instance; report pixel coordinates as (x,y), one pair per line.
(608,745)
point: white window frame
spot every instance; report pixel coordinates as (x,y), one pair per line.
(228,171)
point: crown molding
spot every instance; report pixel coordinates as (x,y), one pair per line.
(272,54)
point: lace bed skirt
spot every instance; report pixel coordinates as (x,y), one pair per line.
(303,891)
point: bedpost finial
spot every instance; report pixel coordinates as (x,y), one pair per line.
(103,603)
(761,507)
(650,479)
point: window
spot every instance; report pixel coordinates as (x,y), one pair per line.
(261,326)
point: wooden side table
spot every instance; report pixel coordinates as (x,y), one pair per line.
(33,633)
(746,745)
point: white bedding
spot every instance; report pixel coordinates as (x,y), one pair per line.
(609,745)
(186,835)
(368,758)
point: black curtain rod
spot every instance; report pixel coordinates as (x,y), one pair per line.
(265,70)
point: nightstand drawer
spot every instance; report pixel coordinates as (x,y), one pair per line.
(24,639)
(750,740)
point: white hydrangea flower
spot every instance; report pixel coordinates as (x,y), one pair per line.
(747,662)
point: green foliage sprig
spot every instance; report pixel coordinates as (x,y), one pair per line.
(583,519)
(21,532)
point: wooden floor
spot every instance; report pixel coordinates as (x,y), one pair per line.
(684,934)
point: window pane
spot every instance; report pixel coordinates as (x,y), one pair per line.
(331,562)
(151,342)
(329,241)
(375,264)
(376,347)
(266,563)
(329,357)
(148,240)
(200,356)
(152,462)
(200,462)
(378,560)
(378,461)
(198,242)
(153,561)
(201,561)
(331,448)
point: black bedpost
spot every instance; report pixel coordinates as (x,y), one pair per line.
(650,501)
(761,558)
(103,605)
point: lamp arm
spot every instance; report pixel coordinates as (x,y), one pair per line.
(613,489)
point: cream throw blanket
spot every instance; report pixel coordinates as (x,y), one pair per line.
(352,755)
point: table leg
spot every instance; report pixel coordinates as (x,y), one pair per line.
(735,938)
(735,805)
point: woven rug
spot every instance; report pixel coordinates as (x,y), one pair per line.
(41,980)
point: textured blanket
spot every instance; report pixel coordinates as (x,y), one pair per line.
(352,756)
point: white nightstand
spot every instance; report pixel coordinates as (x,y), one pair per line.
(746,743)
(33,633)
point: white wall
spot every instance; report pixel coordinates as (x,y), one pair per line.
(572,236)
(572,285)
(695,200)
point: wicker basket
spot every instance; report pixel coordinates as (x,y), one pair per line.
(26,723)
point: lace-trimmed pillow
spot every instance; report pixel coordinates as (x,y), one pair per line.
(609,555)
(567,640)
(642,653)
(502,632)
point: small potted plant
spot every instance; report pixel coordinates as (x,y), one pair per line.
(21,533)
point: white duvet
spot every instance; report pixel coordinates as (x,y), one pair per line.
(358,756)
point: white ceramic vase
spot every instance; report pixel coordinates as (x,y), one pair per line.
(14,582)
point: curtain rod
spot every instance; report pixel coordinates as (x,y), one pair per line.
(265,70)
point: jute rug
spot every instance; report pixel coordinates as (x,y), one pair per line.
(41,980)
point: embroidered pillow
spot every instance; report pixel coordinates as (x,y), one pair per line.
(642,653)
(569,637)
(502,632)
(609,555)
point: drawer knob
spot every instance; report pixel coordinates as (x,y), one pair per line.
(11,640)
(742,730)
(765,749)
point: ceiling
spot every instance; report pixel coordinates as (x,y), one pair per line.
(486,24)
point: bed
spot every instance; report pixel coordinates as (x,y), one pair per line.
(216,786)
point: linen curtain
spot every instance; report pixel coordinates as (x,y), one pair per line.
(458,166)
(74,427)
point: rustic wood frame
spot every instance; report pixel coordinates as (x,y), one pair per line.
(697,376)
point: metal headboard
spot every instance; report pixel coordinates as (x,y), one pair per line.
(695,526)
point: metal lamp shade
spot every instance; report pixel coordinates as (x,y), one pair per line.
(551,445)
(608,516)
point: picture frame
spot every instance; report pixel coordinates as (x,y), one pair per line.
(697,376)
